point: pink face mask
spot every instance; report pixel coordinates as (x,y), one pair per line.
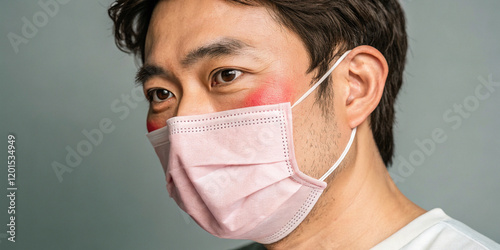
(234,172)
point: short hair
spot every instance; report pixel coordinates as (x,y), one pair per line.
(327,28)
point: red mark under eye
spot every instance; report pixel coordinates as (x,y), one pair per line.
(152,126)
(271,92)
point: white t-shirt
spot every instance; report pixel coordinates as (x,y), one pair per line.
(436,230)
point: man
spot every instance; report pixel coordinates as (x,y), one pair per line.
(226,79)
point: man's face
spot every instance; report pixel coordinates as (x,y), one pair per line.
(205,56)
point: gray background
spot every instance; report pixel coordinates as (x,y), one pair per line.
(69,76)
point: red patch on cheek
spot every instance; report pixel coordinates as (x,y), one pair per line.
(152,126)
(271,92)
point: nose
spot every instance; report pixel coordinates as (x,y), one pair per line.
(194,102)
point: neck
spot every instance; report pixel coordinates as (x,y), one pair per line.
(360,207)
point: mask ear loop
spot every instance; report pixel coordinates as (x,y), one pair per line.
(353,133)
(321,80)
(342,156)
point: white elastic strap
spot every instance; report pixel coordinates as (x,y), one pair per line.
(322,79)
(337,163)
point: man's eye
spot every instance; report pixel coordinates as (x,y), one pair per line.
(159,95)
(226,76)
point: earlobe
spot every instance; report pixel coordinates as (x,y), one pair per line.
(368,71)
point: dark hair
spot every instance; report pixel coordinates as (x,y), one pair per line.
(328,28)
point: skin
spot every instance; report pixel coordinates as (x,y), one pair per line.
(271,92)
(361,205)
(152,126)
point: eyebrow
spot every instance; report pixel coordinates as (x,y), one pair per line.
(222,47)
(148,71)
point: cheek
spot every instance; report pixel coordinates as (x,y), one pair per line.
(272,91)
(157,120)
(153,125)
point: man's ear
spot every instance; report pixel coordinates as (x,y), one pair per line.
(368,71)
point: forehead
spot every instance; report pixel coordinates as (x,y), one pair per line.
(179,25)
